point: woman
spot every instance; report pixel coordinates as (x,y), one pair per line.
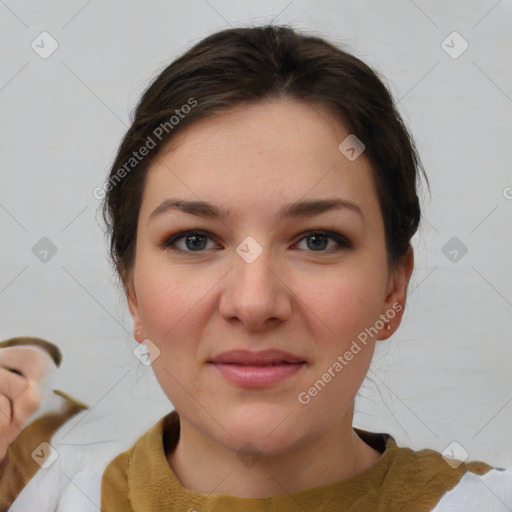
(244,154)
(251,149)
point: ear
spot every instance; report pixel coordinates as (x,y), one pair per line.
(396,293)
(133,306)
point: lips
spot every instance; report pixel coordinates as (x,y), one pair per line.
(257,369)
(270,357)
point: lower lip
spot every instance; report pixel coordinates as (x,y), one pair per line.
(258,376)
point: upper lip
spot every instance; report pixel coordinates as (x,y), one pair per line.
(246,357)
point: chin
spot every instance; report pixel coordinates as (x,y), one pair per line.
(270,428)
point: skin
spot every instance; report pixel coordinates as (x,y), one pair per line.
(311,302)
(20,390)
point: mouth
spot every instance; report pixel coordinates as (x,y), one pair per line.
(263,358)
(261,365)
(257,369)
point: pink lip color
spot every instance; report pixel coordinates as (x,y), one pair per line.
(258,376)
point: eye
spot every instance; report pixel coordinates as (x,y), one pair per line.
(195,241)
(320,240)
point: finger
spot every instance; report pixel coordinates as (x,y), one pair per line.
(30,361)
(5,426)
(27,404)
(12,385)
(14,370)
(8,430)
(6,413)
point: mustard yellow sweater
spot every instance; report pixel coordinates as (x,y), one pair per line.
(140,480)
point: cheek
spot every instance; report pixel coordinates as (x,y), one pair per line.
(164,297)
(173,313)
(346,301)
(348,304)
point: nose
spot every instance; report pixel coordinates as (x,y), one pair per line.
(255,293)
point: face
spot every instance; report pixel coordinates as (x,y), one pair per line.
(310,285)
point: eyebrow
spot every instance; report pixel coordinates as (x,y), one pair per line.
(304,208)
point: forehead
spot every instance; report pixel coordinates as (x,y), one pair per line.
(261,155)
(31,361)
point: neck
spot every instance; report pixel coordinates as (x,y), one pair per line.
(205,466)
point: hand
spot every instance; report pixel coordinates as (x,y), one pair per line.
(19,399)
(20,392)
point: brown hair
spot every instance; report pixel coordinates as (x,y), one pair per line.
(50,348)
(243,65)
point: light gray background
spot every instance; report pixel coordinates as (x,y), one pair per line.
(445,375)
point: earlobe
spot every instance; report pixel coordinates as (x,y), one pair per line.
(394,305)
(133,306)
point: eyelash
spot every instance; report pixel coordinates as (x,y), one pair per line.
(168,242)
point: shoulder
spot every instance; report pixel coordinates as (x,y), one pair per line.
(430,481)
(491,491)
